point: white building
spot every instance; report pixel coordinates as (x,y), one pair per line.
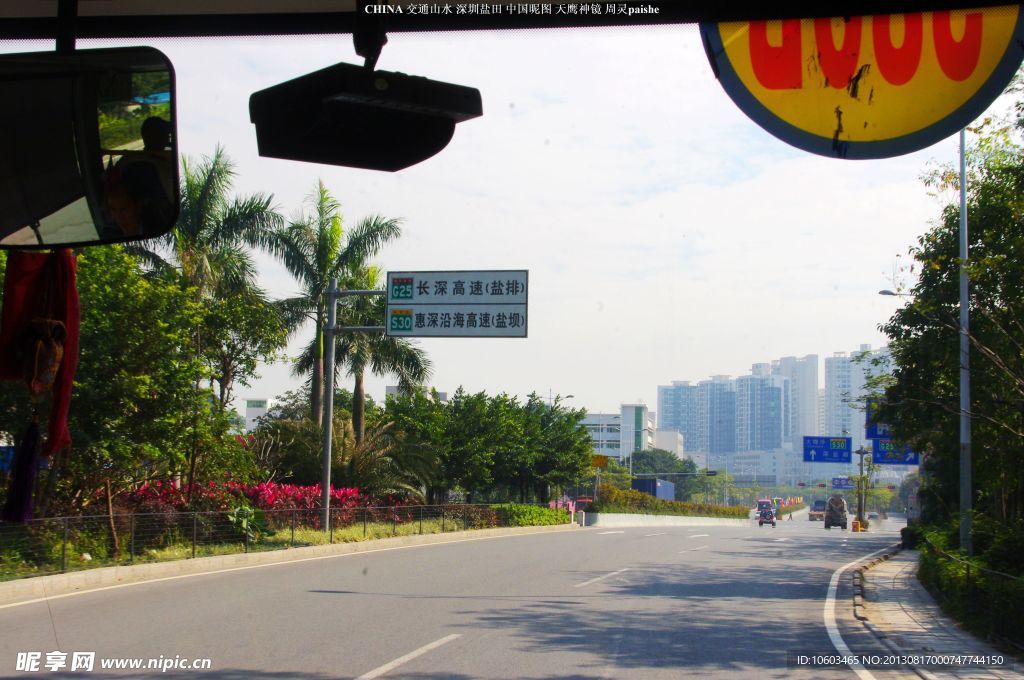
(805,409)
(605,431)
(254,409)
(442,397)
(669,440)
(637,428)
(846,377)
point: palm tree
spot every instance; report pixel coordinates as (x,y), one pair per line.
(378,467)
(315,248)
(206,243)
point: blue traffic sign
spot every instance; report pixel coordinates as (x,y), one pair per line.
(827,449)
(843,483)
(886,452)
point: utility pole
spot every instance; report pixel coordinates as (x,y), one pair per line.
(861,487)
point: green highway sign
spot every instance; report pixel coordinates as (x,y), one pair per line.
(469,304)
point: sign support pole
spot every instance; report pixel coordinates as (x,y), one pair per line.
(333,293)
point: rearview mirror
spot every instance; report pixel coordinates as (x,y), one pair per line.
(88,150)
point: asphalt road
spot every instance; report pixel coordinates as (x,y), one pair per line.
(721,602)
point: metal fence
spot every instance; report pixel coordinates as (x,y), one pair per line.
(988,601)
(62,544)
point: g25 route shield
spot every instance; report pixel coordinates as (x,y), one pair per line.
(869,86)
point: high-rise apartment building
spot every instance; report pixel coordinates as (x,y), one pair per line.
(716,400)
(846,378)
(678,410)
(762,410)
(803,379)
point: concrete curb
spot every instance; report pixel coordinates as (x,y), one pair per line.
(860,615)
(26,589)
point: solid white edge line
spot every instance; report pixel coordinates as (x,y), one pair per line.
(255,566)
(663,533)
(698,536)
(599,578)
(381,670)
(830,615)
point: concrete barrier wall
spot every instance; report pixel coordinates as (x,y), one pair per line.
(612,519)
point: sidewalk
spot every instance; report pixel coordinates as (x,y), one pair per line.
(907,620)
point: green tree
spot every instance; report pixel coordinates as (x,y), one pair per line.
(468,462)
(134,391)
(206,250)
(419,429)
(653,461)
(923,398)
(241,331)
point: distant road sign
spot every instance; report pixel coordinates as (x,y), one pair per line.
(599,461)
(469,304)
(873,430)
(827,449)
(843,483)
(886,452)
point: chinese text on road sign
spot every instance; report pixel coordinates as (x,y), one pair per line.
(457,304)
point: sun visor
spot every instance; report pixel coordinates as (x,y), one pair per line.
(348,115)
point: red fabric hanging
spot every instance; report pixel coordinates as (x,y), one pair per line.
(42,285)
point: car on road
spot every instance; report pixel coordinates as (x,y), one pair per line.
(766,516)
(872,515)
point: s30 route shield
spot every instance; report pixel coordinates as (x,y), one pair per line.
(867,86)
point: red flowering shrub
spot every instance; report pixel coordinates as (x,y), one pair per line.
(160,497)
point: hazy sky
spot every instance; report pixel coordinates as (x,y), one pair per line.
(666,236)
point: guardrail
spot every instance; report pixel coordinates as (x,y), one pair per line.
(989,601)
(61,544)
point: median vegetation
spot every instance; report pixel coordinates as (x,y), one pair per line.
(61,544)
(612,499)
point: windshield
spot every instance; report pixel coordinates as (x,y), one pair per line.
(613,294)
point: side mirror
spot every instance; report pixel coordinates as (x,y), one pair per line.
(88,147)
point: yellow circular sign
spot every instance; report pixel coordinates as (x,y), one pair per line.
(871,86)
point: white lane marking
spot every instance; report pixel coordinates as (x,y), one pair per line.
(381,670)
(254,566)
(781,539)
(600,578)
(699,536)
(605,533)
(661,533)
(830,615)
(699,547)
